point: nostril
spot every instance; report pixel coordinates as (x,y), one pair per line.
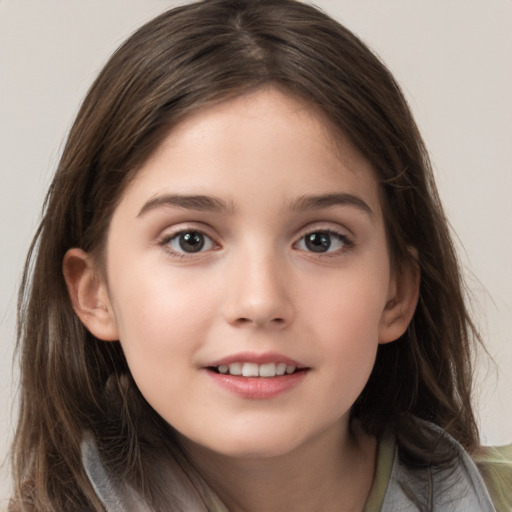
(258,321)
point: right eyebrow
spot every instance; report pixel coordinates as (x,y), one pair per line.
(188,202)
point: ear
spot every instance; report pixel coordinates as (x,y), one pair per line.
(402,300)
(89,295)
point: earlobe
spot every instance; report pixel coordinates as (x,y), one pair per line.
(88,293)
(402,301)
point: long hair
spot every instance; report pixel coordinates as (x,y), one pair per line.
(185,59)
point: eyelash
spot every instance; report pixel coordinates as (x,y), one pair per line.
(345,241)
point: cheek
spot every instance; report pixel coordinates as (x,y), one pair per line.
(350,304)
(161,328)
(160,319)
(344,318)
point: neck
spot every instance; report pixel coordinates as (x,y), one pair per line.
(331,472)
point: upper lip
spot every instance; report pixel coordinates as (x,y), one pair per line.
(258,358)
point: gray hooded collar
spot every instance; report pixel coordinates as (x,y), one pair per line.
(457,488)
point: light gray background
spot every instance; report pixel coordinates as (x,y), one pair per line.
(452,57)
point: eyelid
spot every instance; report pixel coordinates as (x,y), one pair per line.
(327,227)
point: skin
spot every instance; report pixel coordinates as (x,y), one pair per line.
(255,287)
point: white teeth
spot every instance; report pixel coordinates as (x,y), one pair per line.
(235,369)
(256,370)
(250,370)
(281,368)
(268,370)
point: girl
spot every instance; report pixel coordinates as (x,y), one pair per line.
(243,294)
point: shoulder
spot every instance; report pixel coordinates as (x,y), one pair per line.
(114,494)
(495,466)
(447,479)
(117,495)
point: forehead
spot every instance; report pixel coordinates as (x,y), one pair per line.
(265,140)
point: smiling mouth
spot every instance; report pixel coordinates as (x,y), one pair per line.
(266,370)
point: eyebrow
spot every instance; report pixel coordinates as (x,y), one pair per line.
(319,202)
(215,205)
(188,202)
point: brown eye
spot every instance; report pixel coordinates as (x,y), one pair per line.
(190,242)
(318,242)
(323,241)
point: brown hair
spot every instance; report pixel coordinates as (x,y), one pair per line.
(189,57)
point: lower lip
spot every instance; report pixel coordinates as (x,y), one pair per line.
(258,388)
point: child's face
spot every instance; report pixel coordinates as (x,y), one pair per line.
(248,238)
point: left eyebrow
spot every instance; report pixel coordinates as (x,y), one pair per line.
(318,202)
(188,202)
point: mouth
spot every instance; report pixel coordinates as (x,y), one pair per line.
(249,369)
(257,381)
(257,376)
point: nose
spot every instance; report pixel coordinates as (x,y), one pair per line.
(258,292)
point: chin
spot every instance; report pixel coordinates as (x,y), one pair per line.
(261,449)
(255,452)
(250,444)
